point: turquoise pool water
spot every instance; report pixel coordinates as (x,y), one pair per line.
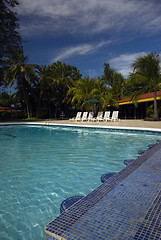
(42,166)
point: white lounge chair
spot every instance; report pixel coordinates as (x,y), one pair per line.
(107,116)
(78,117)
(115,116)
(99,117)
(85,116)
(90,116)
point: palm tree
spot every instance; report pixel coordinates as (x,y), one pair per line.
(108,99)
(6,100)
(114,81)
(44,76)
(60,72)
(64,77)
(148,72)
(19,72)
(82,91)
(101,88)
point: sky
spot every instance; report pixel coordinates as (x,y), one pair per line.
(88,33)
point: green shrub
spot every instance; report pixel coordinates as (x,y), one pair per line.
(150,111)
(31,119)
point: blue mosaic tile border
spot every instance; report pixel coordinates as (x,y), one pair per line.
(68,218)
(151,226)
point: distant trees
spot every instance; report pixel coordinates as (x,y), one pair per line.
(45,91)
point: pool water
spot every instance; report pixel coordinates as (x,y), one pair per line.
(40,166)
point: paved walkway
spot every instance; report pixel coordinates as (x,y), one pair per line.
(122,123)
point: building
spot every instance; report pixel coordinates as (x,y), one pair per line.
(8,113)
(127,109)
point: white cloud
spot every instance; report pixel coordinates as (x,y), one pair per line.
(89,16)
(82,49)
(123,62)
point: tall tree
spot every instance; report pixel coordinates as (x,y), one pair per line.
(114,81)
(108,72)
(134,86)
(20,73)
(9,24)
(147,71)
(44,77)
(64,76)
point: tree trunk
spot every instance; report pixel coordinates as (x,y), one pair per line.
(155,106)
(29,113)
(39,104)
(135,113)
(56,107)
(50,116)
(28,107)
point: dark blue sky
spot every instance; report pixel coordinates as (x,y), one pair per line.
(88,33)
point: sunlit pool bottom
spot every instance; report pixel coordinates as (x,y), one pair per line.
(126,206)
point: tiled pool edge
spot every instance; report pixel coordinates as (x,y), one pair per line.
(55,228)
(109,128)
(152,221)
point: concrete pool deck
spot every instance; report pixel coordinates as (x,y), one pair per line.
(126,206)
(141,124)
(123,123)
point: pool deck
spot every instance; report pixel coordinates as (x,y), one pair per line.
(126,206)
(122,123)
(140,124)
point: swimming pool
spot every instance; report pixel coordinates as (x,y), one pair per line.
(43,165)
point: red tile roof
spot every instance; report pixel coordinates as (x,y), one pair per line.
(143,96)
(7,108)
(4,108)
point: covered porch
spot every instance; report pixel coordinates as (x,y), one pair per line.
(127,109)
